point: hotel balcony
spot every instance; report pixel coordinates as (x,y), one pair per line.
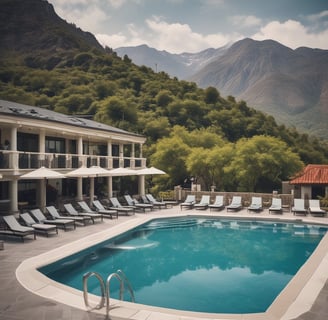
(18,162)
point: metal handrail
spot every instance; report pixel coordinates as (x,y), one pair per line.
(126,280)
(110,277)
(105,289)
(86,276)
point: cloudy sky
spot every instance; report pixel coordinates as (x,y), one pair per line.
(194,25)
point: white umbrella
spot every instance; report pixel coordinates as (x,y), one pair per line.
(92,172)
(42,174)
(151,171)
(119,172)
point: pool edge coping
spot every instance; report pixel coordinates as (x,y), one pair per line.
(295,299)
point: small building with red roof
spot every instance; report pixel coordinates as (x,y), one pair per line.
(311,182)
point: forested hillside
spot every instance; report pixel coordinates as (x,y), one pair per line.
(190,131)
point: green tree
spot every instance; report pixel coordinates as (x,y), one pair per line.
(170,155)
(211,95)
(261,162)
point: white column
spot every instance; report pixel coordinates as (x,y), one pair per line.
(109,154)
(79,190)
(92,190)
(121,154)
(110,166)
(13,160)
(110,186)
(13,185)
(132,161)
(141,185)
(42,147)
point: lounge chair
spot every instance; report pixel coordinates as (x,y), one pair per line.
(158,204)
(106,212)
(235,204)
(189,202)
(38,227)
(299,207)
(16,229)
(256,204)
(87,211)
(203,203)
(138,206)
(218,203)
(314,208)
(63,223)
(55,215)
(121,209)
(71,211)
(276,206)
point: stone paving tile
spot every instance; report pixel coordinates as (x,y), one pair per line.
(16,303)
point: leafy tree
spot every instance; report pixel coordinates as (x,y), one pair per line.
(211,95)
(262,158)
(170,155)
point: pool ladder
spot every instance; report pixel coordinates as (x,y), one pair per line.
(105,288)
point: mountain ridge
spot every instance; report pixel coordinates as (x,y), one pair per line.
(290,85)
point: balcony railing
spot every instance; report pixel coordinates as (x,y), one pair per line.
(33,160)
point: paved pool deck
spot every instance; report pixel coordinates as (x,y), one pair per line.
(36,297)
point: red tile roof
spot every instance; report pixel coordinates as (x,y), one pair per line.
(312,174)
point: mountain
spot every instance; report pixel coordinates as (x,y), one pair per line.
(21,22)
(181,65)
(291,85)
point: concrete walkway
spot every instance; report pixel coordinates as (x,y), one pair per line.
(16,303)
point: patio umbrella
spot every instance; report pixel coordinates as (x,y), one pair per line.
(94,171)
(91,172)
(119,172)
(151,171)
(42,174)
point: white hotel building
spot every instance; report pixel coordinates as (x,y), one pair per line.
(39,137)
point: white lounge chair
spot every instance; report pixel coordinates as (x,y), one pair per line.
(276,206)
(41,218)
(159,204)
(55,215)
(203,203)
(299,207)
(106,212)
(314,208)
(256,204)
(235,204)
(138,206)
(218,203)
(16,229)
(72,212)
(87,211)
(121,209)
(38,227)
(189,202)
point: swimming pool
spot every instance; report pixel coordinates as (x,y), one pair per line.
(199,264)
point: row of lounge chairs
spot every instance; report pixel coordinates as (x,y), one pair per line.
(256,205)
(36,222)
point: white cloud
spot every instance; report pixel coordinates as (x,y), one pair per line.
(246,21)
(292,34)
(318,16)
(116,3)
(174,37)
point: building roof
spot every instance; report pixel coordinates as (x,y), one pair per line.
(22,110)
(312,174)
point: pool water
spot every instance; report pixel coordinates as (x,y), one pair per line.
(198,264)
